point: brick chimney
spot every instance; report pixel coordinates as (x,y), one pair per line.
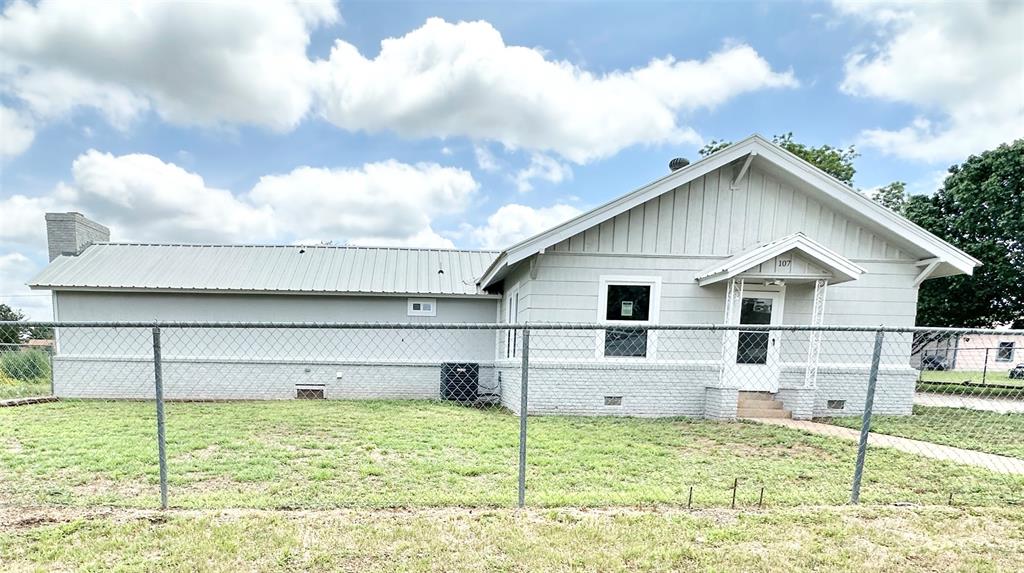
(71,233)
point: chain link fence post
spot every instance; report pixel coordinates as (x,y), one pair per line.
(523,402)
(865,426)
(984,368)
(161,442)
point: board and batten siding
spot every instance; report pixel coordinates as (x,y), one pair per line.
(707,217)
(684,231)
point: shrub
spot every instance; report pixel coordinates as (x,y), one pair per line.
(25,365)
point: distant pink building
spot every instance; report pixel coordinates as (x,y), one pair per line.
(977,352)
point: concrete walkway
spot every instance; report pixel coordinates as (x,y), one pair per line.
(1001,405)
(993,462)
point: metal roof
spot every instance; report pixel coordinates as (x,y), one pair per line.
(268,268)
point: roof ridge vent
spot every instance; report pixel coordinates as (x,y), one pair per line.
(678,163)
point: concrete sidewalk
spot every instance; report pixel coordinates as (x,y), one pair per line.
(1001,405)
(993,462)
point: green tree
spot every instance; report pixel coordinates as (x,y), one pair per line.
(11,334)
(892,196)
(980,209)
(835,161)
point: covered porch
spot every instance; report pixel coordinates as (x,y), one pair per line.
(757,285)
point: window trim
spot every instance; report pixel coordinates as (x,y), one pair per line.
(653,314)
(433,307)
(1011,345)
(511,338)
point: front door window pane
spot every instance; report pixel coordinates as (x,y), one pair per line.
(752,347)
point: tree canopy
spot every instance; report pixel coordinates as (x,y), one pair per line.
(19,334)
(980,209)
(11,334)
(835,161)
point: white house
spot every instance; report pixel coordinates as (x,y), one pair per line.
(749,235)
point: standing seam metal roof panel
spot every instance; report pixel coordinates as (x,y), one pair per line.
(268,268)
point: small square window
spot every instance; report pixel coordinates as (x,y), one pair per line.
(1005,352)
(422,307)
(628,302)
(628,307)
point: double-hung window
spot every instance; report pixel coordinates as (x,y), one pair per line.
(1005,352)
(628,305)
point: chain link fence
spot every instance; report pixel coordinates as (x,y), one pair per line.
(339,415)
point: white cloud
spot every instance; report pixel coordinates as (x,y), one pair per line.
(461,79)
(203,63)
(386,203)
(16,132)
(15,270)
(142,198)
(23,222)
(485,160)
(513,222)
(240,62)
(544,168)
(959,64)
(426,238)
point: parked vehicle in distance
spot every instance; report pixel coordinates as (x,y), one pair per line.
(934,362)
(1017,372)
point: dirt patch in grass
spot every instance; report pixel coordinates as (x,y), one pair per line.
(623,539)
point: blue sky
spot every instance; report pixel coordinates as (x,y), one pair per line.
(474,125)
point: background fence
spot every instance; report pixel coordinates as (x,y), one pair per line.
(331,415)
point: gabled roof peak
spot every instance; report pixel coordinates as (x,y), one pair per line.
(839,267)
(953,260)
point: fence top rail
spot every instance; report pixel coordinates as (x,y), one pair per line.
(500,326)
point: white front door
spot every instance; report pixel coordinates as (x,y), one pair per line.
(755,360)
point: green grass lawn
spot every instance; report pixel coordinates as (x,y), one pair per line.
(993,384)
(317,454)
(961,427)
(866,539)
(1001,376)
(13,388)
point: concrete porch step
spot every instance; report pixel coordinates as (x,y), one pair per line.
(760,405)
(763,413)
(752,395)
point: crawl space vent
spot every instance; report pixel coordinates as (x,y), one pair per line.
(309,392)
(836,404)
(613,400)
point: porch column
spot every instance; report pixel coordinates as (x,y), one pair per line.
(814,338)
(730,338)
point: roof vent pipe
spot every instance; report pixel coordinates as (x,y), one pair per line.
(678,163)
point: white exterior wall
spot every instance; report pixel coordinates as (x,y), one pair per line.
(679,234)
(264,363)
(198,379)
